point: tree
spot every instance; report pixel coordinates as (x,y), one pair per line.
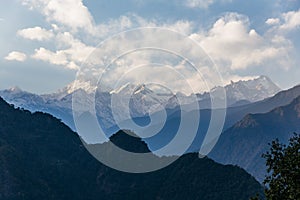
(283,167)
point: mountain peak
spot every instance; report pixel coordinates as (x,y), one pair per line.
(15,89)
(247,122)
(252,90)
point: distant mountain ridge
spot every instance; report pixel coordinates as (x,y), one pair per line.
(244,143)
(233,115)
(250,91)
(41,158)
(144,101)
(285,97)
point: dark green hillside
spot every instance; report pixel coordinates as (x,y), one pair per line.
(41,158)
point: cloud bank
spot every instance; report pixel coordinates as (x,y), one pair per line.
(230,40)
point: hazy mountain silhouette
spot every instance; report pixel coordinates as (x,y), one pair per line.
(233,115)
(244,143)
(41,158)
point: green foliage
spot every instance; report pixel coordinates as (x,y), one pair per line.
(283,162)
(257,197)
(283,167)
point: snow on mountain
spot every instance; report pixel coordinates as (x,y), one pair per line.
(251,90)
(70,88)
(22,98)
(140,99)
(144,99)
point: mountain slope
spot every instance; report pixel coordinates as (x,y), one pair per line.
(41,158)
(244,143)
(233,115)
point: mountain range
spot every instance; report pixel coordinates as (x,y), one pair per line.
(41,158)
(233,115)
(143,99)
(243,92)
(240,143)
(60,105)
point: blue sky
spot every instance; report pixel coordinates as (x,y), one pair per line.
(43,42)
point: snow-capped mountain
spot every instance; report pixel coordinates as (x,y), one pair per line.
(242,92)
(142,100)
(22,99)
(250,90)
(70,88)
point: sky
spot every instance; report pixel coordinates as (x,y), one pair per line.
(45,42)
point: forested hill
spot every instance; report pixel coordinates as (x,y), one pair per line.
(41,158)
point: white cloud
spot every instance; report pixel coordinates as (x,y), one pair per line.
(76,50)
(54,27)
(183,27)
(71,51)
(36,33)
(203,4)
(130,21)
(231,42)
(72,65)
(71,13)
(57,58)
(285,22)
(17,56)
(199,3)
(291,20)
(114,26)
(71,54)
(273,21)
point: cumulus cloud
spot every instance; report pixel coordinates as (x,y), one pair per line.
(72,51)
(71,54)
(36,33)
(75,49)
(17,56)
(181,26)
(285,22)
(71,13)
(114,26)
(273,21)
(232,43)
(291,20)
(57,58)
(131,21)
